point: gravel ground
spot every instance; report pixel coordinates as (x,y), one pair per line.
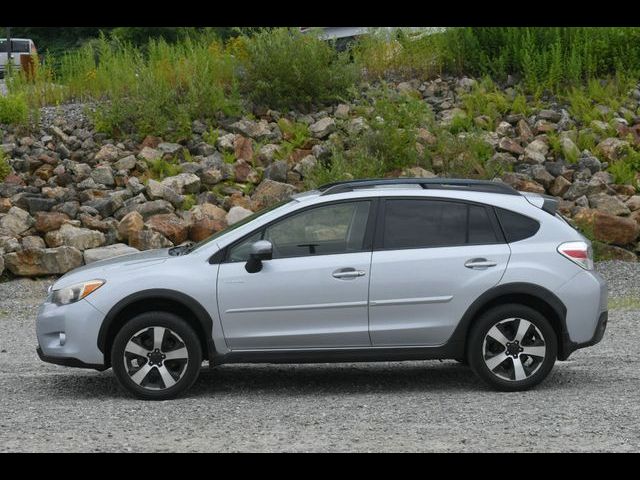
(590,403)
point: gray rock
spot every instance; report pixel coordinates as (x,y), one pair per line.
(96,254)
(608,203)
(148,240)
(149,154)
(33,242)
(258,131)
(170,148)
(550,115)
(48,261)
(80,238)
(183,183)
(155,207)
(277,171)
(236,214)
(225,142)
(126,163)
(15,222)
(108,153)
(103,175)
(305,166)
(323,127)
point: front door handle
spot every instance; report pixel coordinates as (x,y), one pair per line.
(479,263)
(347,273)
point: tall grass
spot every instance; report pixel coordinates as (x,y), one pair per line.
(544,57)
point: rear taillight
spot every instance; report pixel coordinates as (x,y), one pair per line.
(577,252)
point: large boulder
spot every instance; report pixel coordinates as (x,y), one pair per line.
(108,153)
(148,240)
(80,238)
(183,183)
(612,148)
(15,222)
(608,203)
(237,214)
(259,131)
(323,127)
(170,226)
(102,253)
(270,192)
(608,228)
(49,221)
(205,227)
(131,223)
(103,175)
(48,261)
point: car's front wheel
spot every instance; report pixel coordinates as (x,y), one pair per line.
(512,347)
(156,356)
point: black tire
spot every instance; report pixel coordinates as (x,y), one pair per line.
(539,366)
(180,336)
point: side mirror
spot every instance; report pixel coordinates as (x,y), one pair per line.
(260,250)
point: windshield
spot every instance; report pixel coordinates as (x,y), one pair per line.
(239,224)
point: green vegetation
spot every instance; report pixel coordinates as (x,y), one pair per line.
(14,110)
(157,80)
(283,68)
(161,168)
(189,201)
(625,170)
(295,136)
(5,168)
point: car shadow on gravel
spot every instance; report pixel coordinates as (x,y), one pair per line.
(305,379)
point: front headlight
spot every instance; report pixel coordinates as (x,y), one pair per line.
(76,292)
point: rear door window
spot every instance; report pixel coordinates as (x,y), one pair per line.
(417,223)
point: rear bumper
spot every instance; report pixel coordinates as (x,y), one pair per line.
(570,347)
(585,298)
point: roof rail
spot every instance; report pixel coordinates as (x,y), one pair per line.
(486,186)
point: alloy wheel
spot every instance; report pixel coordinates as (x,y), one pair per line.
(156,358)
(514,349)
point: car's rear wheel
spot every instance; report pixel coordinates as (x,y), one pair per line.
(156,356)
(512,347)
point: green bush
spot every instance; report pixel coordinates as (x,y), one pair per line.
(283,68)
(625,169)
(14,110)
(161,168)
(5,168)
(383,54)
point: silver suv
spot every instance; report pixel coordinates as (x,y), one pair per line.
(368,270)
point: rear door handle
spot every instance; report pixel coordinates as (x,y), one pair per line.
(479,263)
(347,273)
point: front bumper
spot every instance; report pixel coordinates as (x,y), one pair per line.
(67,334)
(67,361)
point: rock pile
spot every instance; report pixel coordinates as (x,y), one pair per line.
(75,196)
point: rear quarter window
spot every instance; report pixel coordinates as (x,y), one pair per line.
(515,226)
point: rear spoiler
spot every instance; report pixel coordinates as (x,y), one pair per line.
(545,202)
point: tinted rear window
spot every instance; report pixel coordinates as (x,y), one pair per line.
(515,226)
(432,223)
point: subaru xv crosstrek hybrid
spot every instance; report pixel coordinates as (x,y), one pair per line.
(365,270)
